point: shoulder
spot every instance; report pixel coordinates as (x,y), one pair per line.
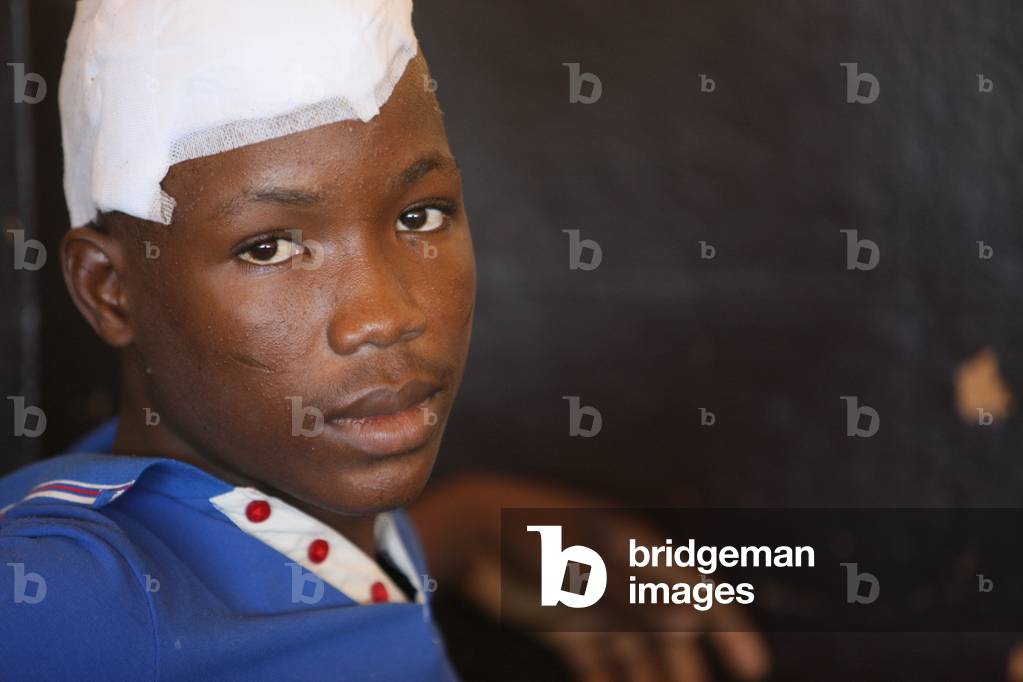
(73,593)
(72,478)
(72,600)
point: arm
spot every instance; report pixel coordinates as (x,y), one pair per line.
(71,605)
(459,522)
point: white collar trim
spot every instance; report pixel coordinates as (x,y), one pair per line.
(346,567)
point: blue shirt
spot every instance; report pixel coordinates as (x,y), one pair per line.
(128,568)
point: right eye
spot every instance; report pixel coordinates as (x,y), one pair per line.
(271,251)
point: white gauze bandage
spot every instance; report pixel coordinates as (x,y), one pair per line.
(149,83)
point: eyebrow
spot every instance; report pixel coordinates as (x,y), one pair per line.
(422,167)
(298,198)
(278,196)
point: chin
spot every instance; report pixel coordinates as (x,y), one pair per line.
(376,486)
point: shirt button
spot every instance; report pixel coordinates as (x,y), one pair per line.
(378,592)
(257,511)
(318,551)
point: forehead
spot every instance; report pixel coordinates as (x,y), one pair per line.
(330,158)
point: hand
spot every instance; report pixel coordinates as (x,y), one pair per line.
(459,522)
(1014,664)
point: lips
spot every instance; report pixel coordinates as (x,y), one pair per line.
(383,401)
(388,421)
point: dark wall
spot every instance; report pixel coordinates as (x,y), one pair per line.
(60,364)
(769,168)
(19,308)
(771,332)
(10,379)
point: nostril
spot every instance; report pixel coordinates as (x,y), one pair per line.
(411,333)
(378,335)
(379,320)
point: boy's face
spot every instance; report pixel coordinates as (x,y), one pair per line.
(241,347)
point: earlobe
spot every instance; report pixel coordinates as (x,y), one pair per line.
(93,265)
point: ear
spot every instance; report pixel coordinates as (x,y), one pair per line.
(94,267)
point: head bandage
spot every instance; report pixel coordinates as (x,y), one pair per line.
(149,83)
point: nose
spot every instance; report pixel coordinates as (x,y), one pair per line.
(375,309)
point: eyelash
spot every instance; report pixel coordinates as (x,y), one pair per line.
(250,244)
(445,206)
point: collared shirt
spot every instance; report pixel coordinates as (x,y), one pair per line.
(128,568)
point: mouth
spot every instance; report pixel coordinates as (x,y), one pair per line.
(386,421)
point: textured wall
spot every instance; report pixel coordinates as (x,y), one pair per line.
(769,334)
(768,168)
(19,308)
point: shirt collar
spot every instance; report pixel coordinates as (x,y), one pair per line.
(319,548)
(95,480)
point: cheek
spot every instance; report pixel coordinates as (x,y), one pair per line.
(223,326)
(451,287)
(270,329)
(226,355)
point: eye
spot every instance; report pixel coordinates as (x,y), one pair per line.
(271,251)
(422,219)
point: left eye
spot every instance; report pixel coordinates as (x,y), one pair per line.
(271,251)
(421,220)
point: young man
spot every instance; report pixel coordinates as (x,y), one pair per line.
(268,222)
(293,294)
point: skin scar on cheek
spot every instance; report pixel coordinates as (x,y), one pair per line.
(251,362)
(274,335)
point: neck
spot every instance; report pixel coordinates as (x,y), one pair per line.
(137,438)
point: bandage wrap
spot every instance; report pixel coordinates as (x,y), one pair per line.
(150,83)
